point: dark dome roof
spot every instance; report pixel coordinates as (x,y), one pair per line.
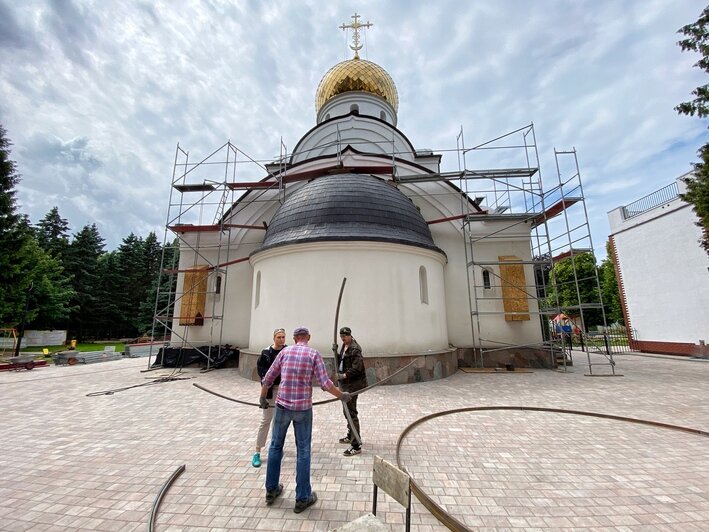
(348,207)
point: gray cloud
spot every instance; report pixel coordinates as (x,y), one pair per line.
(72,25)
(95,97)
(12,34)
(53,151)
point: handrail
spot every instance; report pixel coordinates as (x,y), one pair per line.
(655,199)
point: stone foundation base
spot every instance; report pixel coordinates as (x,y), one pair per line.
(428,367)
(519,357)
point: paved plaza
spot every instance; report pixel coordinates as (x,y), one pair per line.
(77,462)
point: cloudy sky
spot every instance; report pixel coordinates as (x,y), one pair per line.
(95,95)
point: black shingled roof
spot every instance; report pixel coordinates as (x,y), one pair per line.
(348,207)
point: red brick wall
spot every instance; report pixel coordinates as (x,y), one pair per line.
(672,348)
(621,289)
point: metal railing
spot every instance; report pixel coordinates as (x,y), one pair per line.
(651,201)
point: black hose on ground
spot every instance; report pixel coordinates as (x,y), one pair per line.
(158,499)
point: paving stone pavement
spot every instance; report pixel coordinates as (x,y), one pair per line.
(72,462)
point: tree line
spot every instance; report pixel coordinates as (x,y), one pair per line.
(51,280)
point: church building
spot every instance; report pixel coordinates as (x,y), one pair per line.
(431,270)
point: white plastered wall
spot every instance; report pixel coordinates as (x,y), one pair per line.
(362,133)
(233,303)
(367,105)
(437,200)
(664,273)
(381,302)
(511,238)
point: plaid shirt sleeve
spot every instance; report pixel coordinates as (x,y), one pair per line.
(321,373)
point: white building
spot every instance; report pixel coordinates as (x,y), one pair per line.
(663,273)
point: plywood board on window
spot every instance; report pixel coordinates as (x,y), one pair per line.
(513,282)
(194,296)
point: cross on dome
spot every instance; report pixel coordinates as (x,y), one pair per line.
(355,27)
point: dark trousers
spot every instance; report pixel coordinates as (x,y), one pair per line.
(351,405)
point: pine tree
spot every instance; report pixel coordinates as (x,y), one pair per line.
(13,234)
(53,234)
(82,263)
(112,321)
(130,267)
(162,289)
(9,178)
(152,255)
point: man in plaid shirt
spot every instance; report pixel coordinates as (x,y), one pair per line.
(296,365)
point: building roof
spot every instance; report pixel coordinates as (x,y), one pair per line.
(348,207)
(356,75)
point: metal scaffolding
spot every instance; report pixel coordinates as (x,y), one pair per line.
(555,220)
(201,195)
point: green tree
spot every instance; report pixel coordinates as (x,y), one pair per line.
(53,234)
(9,178)
(82,263)
(29,277)
(609,288)
(133,282)
(152,256)
(11,238)
(128,279)
(111,323)
(162,292)
(563,279)
(51,292)
(697,40)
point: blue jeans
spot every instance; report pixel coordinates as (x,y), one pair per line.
(303,426)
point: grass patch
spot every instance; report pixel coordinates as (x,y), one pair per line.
(81,348)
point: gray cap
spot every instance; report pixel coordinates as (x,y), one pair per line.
(301,331)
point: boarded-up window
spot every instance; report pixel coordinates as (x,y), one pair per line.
(514,295)
(194,295)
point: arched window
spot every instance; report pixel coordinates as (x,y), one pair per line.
(218,288)
(423,285)
(354,109)
(257,295)
(487,283)
(383,115)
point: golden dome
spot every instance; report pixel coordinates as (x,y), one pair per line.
(356,75)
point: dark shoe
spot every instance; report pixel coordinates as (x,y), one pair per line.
(352,451)
(346,439)
(271,495)
(302,505)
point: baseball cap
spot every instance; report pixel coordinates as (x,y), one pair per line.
(346,330)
